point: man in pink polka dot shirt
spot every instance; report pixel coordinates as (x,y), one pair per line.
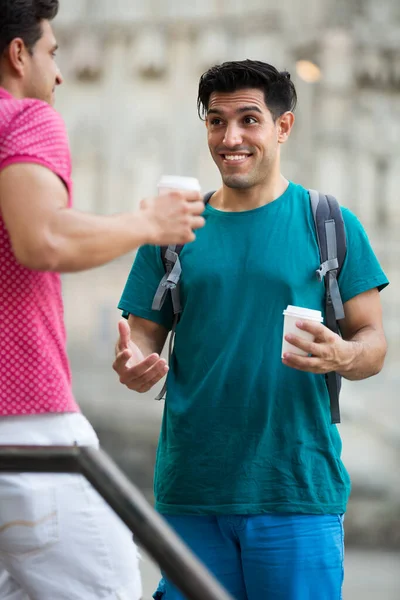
(58,539)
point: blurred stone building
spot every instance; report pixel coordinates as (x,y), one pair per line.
(131,70)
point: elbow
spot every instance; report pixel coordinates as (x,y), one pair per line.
(42,256)
(382,357)
(370,360)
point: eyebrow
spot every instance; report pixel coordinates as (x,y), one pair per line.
(54,47)
(243,109)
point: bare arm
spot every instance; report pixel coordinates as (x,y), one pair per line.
(47,236)
(362,328)
(137,353)
(358,355)
(150,337)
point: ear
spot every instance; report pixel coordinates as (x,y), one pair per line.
(284,125)
(17,55)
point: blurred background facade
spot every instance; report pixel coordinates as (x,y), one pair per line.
(129,101)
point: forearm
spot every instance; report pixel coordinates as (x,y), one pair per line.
(149,344)
(148,336)
(145,345)
(47,236)
(78,241)
(366,352)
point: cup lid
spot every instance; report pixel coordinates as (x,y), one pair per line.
(303,313)
(175,182)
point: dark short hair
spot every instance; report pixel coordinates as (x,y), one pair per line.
(279,90)
(22,19)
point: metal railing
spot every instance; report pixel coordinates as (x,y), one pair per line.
(173,556)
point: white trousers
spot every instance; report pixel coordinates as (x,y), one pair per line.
(58,539)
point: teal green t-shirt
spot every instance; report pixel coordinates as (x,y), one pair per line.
(241,432)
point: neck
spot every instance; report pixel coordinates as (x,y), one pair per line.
(11,87)
(237,200)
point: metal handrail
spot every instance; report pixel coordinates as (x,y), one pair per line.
(149,528)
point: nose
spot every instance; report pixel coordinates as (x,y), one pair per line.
(233,136)
(59,78)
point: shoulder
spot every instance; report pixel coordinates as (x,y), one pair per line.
(350,220)
(32,118)
(151,255)
(35,132)
(298,191)
(348,216)
(353,226)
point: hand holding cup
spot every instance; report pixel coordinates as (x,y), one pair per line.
(176,212)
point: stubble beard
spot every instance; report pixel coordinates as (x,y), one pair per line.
(237,182)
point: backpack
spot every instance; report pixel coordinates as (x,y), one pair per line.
(331,237)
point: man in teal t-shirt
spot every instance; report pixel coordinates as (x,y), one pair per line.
(248,466)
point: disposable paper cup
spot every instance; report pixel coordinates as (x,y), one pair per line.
(292,315)
(169,183)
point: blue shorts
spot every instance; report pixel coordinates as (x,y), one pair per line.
(266,557)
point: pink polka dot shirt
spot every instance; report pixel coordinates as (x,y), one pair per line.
(35,376)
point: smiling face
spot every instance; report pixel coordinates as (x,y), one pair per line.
(243,138)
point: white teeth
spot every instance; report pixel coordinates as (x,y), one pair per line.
(235,156)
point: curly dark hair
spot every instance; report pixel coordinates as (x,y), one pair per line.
(22,19)
(279,90)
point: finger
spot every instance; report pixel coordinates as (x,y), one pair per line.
(122,367)
(317,329)
(158,368)
(124,334)
(121,360)
(306,345)
(153,381)
(145,382)
(133,373)
(196,208)
(188,195)
(188,237)
(197,222)
(309,364)
(193,196)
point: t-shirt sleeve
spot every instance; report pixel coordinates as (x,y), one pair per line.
(37,134)
(361,270)
(141,286)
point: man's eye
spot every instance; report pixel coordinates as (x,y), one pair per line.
(215,121)
(250,120)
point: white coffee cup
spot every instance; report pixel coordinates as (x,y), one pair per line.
(292,315)
(168,183)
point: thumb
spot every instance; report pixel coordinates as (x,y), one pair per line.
(124,334)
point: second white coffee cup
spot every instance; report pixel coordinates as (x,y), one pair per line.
(293,314)
(168,183)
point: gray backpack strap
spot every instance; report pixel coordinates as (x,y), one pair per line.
(331,237)
(161,395)
(170,281)
(332,246)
